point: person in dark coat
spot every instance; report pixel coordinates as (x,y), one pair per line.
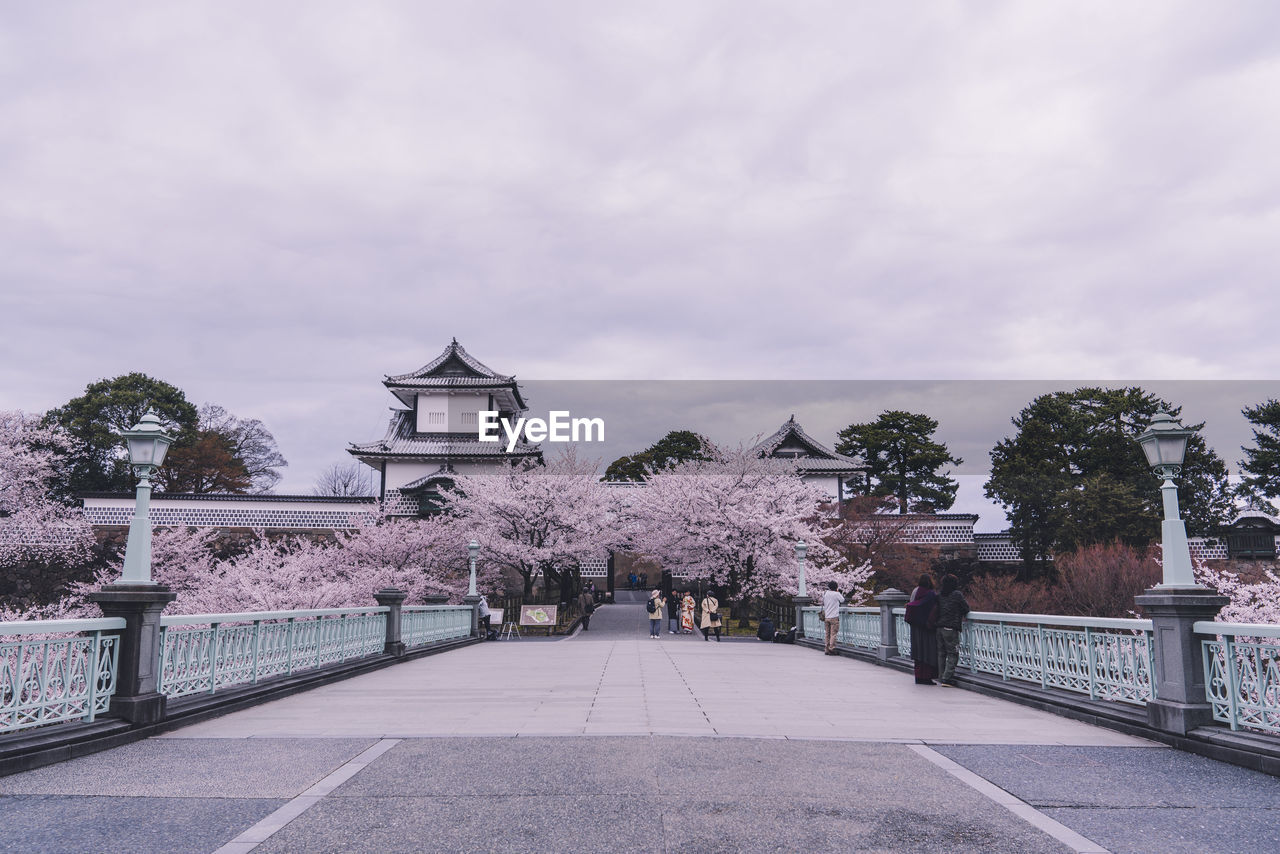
(587,603)
(766,630)
(922,617)
(952,609)
(673,611)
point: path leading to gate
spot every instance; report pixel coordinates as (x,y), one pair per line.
(692,745)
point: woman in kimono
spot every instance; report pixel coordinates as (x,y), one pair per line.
(686,613)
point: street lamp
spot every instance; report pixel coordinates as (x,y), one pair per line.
(473,551)
(1165,444)
(148,444)
(801,551)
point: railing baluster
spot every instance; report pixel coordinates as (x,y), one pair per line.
(93,677)
(1229,671)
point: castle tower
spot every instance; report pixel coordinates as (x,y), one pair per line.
(436,435)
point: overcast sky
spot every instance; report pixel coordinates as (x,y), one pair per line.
(273,205)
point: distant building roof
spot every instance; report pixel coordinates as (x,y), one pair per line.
(454,369)
(791,442)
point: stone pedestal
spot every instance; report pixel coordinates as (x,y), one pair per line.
(137,698)
(390,597)
(474,602)
(1180,705)
(888,600)
(800,603)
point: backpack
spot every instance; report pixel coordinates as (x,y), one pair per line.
(651,606)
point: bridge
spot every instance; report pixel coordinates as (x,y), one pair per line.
(389,729)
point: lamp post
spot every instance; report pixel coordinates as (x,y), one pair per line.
(148,444)
(801,600)
(136,597)
(801,551)
(1165,445)
(473,552)
(1179,704)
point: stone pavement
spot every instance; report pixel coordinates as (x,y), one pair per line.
(689,746)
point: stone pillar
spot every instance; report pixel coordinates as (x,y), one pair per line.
(474,602)
(137,698)
(1180,705)
(800,603)
(390,597)
(889,599)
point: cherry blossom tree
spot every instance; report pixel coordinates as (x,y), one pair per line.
(419,556)
(534,519)
(37,533)
(735,519)
(1251,602)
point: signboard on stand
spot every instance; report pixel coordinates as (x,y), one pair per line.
(538,615)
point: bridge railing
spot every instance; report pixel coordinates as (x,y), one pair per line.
(56,671)
(203,653)
(1106,659)
(427,624)
(1242,673)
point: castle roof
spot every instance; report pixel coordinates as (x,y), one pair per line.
(402,441)
(791,442)
(453,370)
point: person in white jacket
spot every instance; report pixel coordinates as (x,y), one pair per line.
(831,602)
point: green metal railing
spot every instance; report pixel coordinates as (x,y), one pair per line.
(1106,659)
(1242,673)
(203,653)
(54,671)
(427,624)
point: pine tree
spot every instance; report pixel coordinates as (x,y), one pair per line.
(1261,464)
(903,460)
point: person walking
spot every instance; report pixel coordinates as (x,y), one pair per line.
(687,605)
(654,606)
(673,611)
(587,603)
(486,617)
(831,602)
(710,616)
(922,617)
(952,609)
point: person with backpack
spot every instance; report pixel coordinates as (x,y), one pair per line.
(654,606)
(952,609)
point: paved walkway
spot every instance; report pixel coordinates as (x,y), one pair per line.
(698,746)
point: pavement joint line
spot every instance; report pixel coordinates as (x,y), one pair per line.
(1023,810)
(254,836)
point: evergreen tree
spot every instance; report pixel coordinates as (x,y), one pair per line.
(97,418)
(903,460)
(1073,474)
(676,447)
(1261,464)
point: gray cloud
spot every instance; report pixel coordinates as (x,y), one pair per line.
(271,206)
